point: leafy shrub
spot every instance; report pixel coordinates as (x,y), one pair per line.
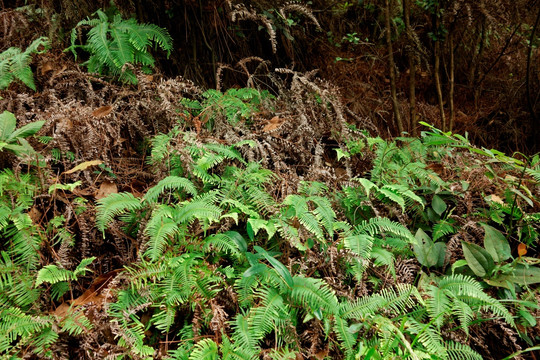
(14,139)
(15,64)
(113,44)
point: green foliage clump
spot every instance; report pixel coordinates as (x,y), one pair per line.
(234,105)
(113,43)
(234,272)
(15,64)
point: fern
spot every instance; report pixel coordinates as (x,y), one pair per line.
(457,351)
(345,336)
(170,183)
(15,64)
(458,294)
(114,205)
(230,242)
(112,44)
(205,350)
(160,228)
(243,336)
(315,294)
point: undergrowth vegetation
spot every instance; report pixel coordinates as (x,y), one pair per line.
(387,266)
(147,219)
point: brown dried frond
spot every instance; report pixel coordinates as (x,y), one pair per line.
(241,12)
(299,8)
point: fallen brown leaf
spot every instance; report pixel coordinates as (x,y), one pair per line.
(102,111)
(83,166)
(106,189)
(273,124)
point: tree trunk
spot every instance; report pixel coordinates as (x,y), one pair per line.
(413,122)
(391,64)
(451,83)
(437,66)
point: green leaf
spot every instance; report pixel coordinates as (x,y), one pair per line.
(522,275)
(255,270)
(254,225)
(27,130)
(496,244)
(478,259)
(368,185)
(7,125)
(427,252)
(238,239)
(282,271)
(438,204)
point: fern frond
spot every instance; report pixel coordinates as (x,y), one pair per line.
(99,42)
(360,245)
(164,319)
(467,290)
(464,313)
(457,351)
(269,314)
(361,308)
(205,350)
(154,34)
(75,323)
(314,293)
(301,210)
(438,304)
(229,242)
(428,336)
(114,205)
(243,336)
(53,274)
(404,296)
(345,336)
(160,228)
(14,324)
(201,207)
(26,240)
(324,213)
(375,226)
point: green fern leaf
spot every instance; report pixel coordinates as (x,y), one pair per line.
(243,336)
(457,351)
(170,183)
(114,205)
(160,228)
(360,245)
(315,294)
(347,338)
(205,350)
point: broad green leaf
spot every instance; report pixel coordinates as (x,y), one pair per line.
(478,259)
(238,239)
(7,125)
(342,154)
(496,244)
(255,270)
(26,130)
(458,264)
(439,251)
(282,271)
(522,275)
(428,253)
(438,204)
